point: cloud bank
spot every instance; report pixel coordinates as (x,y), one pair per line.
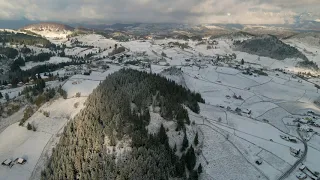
(178,11)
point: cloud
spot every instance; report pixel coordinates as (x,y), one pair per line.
(182,11)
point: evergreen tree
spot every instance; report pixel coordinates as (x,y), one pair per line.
(196,140)
(190,159)
(29,126)
(242,61)
(163,135)
(200,169)
(7,96)
(174,148)
(1,96)
(185,142)
(193,175)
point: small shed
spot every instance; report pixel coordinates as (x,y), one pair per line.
(21,161)
(295,152)
(7,162)
(301,175)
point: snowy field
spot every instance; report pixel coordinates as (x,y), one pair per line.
(86,84)
(17,141)
(52,60)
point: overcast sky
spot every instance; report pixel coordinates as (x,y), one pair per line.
(183,11)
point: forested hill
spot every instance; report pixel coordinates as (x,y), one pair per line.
(269,46)
(119,110)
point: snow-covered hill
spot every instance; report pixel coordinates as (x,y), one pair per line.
(50,30)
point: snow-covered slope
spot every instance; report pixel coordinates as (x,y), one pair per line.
(50,30)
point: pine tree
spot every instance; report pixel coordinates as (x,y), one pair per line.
(196,140)
(185,142)
(1,96)
(200,169)
(190,159)
(174,148)
(7,96)
(163,135)
(242,61)
(29,126)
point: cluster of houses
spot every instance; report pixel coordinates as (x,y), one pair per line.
(305,124)
(10,163)
(9,86)
(76,69)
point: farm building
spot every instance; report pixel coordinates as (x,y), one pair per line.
(302,167)
(295,152)
(20,161)
(7,162)
(301,175)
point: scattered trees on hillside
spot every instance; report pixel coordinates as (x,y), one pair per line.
(117,51)
(62,92)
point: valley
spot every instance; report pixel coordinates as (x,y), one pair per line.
(259,118)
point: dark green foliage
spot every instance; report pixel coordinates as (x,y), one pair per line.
(260,72)
(200,169)
(196,139)
(29,126)
(17,63)
(117,50)
(25,50)
(28,112)
(163,135)
(24,39)
(269,46)
(190,159)
(185,142)
(40,84)
(39,57)
(193,175)
(9,52)
(81,151)
(242,61)
(309,64)
(1,96)
(132,62)
(62,92)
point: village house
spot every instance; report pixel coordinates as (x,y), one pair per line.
(20,161)
(7,162)
(295,152)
